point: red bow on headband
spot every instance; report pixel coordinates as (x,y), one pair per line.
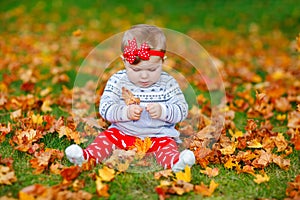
(133,55)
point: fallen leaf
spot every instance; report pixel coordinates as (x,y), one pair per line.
(106,174)
(101,188)
(70,173)
(210,172)
(184,176)
(204,190)
(261,178)
(7,175)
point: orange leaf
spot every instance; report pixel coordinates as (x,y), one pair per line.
(142,146)
(210,172)
(101,188)
(204,190)
(129,97)
(70,173)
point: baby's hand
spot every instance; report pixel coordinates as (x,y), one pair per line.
(134,112)
(154,110)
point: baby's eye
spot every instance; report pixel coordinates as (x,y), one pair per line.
(152,70)
(136,70)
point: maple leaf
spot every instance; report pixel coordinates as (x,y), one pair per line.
(32,191)
(4,130)
(280,142)
(264,159)
(164,173)
(281,162)
(294,120)
(229,149)
(230,163)
(43,159)
(204,190)
(210,172)
(106,174)
(293,188)
(141,146)
(70,173)
(46,106)
(101,188)
(254,144)
(184,176)
(296,139)
(7,175)
(261,178)
(129,97)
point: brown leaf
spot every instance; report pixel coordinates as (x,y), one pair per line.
(129,97)
(210,172)
(70,173)
(7,175)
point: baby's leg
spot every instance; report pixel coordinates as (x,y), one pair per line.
(167,155)
(99,149)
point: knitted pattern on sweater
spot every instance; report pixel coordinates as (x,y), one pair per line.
(166,92)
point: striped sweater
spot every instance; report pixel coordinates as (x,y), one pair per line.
(166,92)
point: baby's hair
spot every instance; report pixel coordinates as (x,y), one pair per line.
(152,35)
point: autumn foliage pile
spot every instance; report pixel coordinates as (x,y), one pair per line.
(262,83)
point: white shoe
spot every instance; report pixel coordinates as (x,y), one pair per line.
(186,157)
(74,154)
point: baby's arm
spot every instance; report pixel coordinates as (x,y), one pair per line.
(176,108)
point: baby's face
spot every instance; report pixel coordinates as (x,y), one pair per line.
(146,72)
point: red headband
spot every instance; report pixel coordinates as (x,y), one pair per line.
(133,55)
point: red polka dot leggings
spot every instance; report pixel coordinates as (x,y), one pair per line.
(164,149)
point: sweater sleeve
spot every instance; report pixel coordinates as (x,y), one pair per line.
(175,108)
(111,107)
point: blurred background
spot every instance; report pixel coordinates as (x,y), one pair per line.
(113,16)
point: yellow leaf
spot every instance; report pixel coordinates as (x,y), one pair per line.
(184,176)
(37,119)
(228,150)
(261,178)
(231,163)
(106,174)
(236,134)
(46,106)
(254,144)
(101,188)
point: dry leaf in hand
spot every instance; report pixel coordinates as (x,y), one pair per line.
(129,97)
